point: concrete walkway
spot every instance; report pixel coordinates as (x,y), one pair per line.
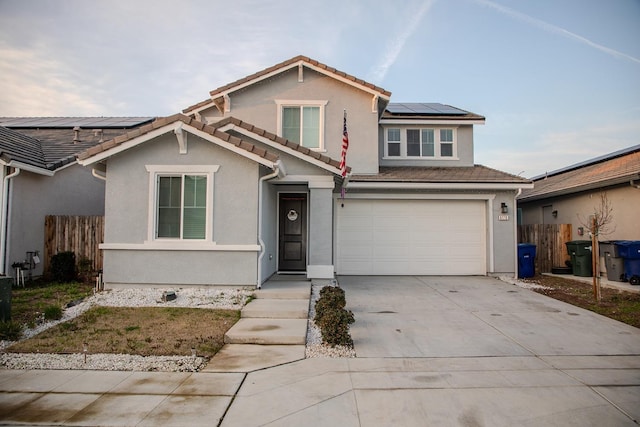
(453,351)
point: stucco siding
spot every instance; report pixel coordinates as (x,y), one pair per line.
(234,218)
(257,105)
(624,200)
(71,191)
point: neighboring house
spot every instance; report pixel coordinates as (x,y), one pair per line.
(248,183)
(570,195)
(39,176)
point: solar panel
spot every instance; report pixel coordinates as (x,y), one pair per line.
(71,122)
(425,108)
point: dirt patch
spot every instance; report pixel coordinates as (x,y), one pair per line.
(615,304)
(145,331)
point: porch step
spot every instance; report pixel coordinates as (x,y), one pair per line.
(299,289)
(267,332)
(277,309)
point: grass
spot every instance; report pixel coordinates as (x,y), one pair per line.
(615,304)
(145,331)
(30,303)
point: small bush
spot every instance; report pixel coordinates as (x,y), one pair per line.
(10,331)
(63,267)
(331,297)
(53,312)
(332,318)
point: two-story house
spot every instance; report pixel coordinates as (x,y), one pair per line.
(248,183)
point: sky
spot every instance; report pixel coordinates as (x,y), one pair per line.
(557,80)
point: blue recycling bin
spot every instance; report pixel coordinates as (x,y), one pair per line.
(526,260)
(629,251)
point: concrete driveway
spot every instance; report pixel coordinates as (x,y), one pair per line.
(456,351)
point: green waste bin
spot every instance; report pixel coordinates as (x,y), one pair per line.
(5,299)
(580,253)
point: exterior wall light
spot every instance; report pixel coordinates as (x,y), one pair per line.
(554,214)
(504,208)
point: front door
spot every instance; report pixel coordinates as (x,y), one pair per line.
(292,254)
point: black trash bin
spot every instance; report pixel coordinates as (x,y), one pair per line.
(613,262)
(5,298)
(580,253)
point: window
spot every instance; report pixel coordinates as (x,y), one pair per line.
(302,122)
(446,142)
(393,142)
(437,143)
(181,199)
(182,207)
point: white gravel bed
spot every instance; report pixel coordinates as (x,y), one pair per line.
(315,347)
(520,283)
(218,298)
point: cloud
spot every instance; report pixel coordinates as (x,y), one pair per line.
(395,45)
(557,30)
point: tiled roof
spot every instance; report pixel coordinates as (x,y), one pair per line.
(22,148)
(607,172)
(277,139)
(52,142)
(158,123)
(284,65)
(466,174)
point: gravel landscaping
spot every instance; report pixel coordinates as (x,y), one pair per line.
(233,299)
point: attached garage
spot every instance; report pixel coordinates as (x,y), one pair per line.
(411,237)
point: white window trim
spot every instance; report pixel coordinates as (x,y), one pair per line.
(160,170)
(437,142)
(280,103)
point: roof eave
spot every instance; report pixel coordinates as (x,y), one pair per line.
(580,188)
(394,185)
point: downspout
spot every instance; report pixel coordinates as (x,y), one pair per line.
(98,175)
(279,169)
(6,205)
(515,230)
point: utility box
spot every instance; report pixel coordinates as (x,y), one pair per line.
(5,299)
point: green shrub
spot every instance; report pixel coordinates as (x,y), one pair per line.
(332,318)
(63,267)
(10,331)
(53,312)
(331,297)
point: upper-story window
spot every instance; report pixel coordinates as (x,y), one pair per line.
(421,142)
(302,122)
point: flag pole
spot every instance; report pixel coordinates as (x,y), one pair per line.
(343,158)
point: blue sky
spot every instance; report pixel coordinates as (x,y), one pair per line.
(557,80)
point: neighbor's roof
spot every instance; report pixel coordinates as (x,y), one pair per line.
(426,110)
(615,168)
(71,122)
(282,67)
(463,174)
(51,142)
(15,146)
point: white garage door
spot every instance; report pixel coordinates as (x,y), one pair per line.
(411,237)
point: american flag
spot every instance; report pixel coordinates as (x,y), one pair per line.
(345,145)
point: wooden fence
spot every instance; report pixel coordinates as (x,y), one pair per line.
(79,234)
(550,242)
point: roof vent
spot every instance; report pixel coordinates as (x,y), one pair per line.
(100,133)
(76,134)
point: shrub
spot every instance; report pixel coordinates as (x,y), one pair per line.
(53,312)
(63,267)
(10,331)
(331,297)
(332,318)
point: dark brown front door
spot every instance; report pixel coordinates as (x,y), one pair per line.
(292,214)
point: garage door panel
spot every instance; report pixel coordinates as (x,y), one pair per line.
(429,237)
